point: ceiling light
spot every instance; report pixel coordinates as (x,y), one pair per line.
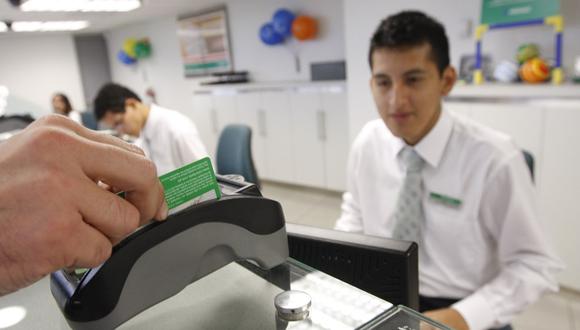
(3,27)
(49,26)
(81,5)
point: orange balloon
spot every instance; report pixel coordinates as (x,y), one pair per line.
(304,27)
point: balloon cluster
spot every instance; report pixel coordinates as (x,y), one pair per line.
(533,69)
(134,50)
(285,24)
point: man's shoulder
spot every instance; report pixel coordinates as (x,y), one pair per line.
(374,141)
(174,119)
(371,130)
(480,138)
(170,113)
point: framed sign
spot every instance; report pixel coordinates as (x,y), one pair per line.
(204,42)
(510,11)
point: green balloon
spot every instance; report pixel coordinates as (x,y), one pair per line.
(142,49)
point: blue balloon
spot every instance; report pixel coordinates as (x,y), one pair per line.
(282,21)
(269,36)
(125,58)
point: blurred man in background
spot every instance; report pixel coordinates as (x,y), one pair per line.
(167,137)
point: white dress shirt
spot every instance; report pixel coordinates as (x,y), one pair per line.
(490,251)
(170,139)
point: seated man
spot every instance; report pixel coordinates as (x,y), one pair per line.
(460,190)
(167,137)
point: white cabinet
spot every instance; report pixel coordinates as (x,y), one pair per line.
(211,114)
(299,131)
(308,137)
(225,110)
(336,137)
(278,136)
(250,112)
(320,139)
(203,115)
(560,193)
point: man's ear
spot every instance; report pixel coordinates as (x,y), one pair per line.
(131,103)
(449,78)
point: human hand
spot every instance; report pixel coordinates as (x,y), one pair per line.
(53,214)
(449,317)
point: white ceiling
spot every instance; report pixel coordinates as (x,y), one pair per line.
(99,22)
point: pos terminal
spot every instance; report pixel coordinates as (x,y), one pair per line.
(179,274)
(161,258)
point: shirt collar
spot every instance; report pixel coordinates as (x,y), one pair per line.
(149,129)
(432,146)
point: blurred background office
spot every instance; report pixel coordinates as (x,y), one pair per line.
(304,94)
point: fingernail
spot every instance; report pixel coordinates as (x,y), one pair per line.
(164,210)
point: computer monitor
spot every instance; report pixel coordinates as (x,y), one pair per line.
(384,267)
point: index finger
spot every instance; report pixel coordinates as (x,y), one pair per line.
(65,122)
(122,169)
(118,164)
(132,173)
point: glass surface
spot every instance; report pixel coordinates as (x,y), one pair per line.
(241,296)
(403,318)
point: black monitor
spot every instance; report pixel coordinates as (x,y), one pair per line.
(383,267)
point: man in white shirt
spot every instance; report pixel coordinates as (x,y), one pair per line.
(482,253)
(167,137)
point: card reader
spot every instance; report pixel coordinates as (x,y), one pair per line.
(162,258)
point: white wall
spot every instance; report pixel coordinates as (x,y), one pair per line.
(361,21)
(34,67)
(163,71)
(267,63)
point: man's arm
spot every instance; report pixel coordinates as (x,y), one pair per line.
(351,217)
(448,316)
(528,265)
(54,214)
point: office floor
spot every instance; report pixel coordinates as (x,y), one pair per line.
(321,208)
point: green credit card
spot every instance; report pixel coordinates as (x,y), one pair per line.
(195,182)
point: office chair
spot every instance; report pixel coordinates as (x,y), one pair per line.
(234,153)
(530,162)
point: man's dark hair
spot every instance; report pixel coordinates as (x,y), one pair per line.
(111,98)
(409,29)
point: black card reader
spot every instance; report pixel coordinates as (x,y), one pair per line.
(161,258)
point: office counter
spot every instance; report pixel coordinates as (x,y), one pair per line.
(238,296)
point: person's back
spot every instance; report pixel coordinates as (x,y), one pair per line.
(168,138)
(171,139)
